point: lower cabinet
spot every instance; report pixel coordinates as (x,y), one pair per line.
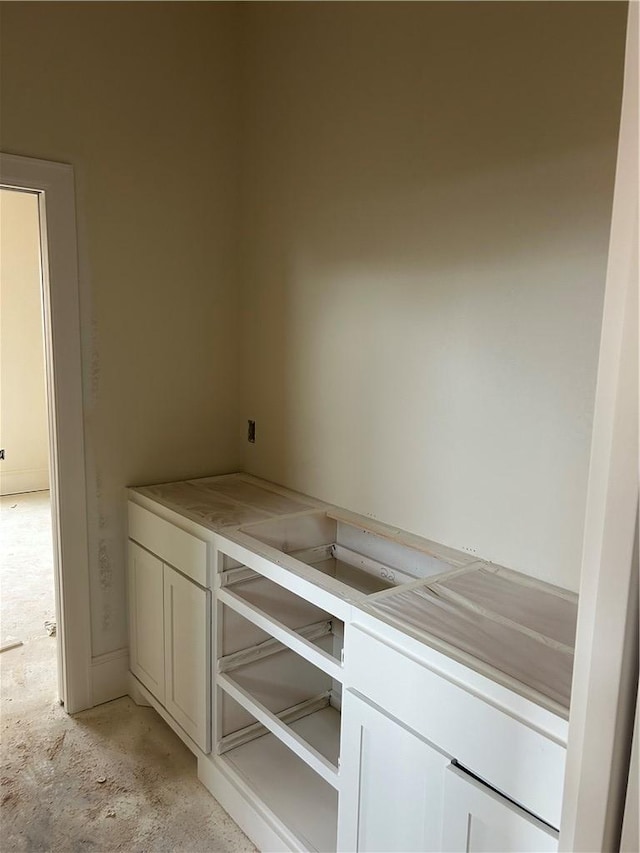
(146,619)
(391,795)
(479,820)
(169,641)
(400,793)
(329,733)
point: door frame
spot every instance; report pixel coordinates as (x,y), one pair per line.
(54,185)
(605,671)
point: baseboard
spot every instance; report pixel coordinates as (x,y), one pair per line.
(142,696)
(266,831)
(109,676)
(24,480)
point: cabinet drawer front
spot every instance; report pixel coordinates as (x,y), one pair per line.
(181,550)
(512,757)
(478,820)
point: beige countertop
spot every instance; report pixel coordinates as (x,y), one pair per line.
(501,623)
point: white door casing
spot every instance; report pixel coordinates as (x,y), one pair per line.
(606,660)
(54,185)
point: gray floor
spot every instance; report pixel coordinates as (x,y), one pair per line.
(112,778)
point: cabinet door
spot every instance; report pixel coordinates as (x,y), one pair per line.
(391,783)
(146,616)
(186,655)
(479,820)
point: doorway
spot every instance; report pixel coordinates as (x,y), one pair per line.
(52,184)
(27,603)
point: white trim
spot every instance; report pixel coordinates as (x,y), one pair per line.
(142,696)
(237,798)
(109,676)
(54,185)
(606,663)
(25,480)
(226,785)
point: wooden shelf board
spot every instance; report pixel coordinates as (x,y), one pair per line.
(289,788)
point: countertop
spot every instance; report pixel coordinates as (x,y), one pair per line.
(499,622)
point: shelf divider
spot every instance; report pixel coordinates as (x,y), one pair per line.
(289,738)
(288,716)
(292,639)
(232,661)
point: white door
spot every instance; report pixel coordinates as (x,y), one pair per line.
(479,820)
(186,655)
(146,616)
(391,784)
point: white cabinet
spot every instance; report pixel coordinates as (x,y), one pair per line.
(404,722)
(479,820)
(169,624)
(278,686)
(320,722)
(186,655)
(506,745)
(146,619)
(392,784)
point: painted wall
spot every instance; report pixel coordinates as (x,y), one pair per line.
(140,98)
(427,198)
(418,217)
(24,430)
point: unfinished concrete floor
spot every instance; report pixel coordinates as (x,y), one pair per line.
(112,778)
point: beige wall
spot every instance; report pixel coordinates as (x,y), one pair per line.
(140,98)
(427,201)
(424,204)
(23,404)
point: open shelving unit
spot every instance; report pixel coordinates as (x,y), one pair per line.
(300,798)
(243,629)
(278,649)
(277,700)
